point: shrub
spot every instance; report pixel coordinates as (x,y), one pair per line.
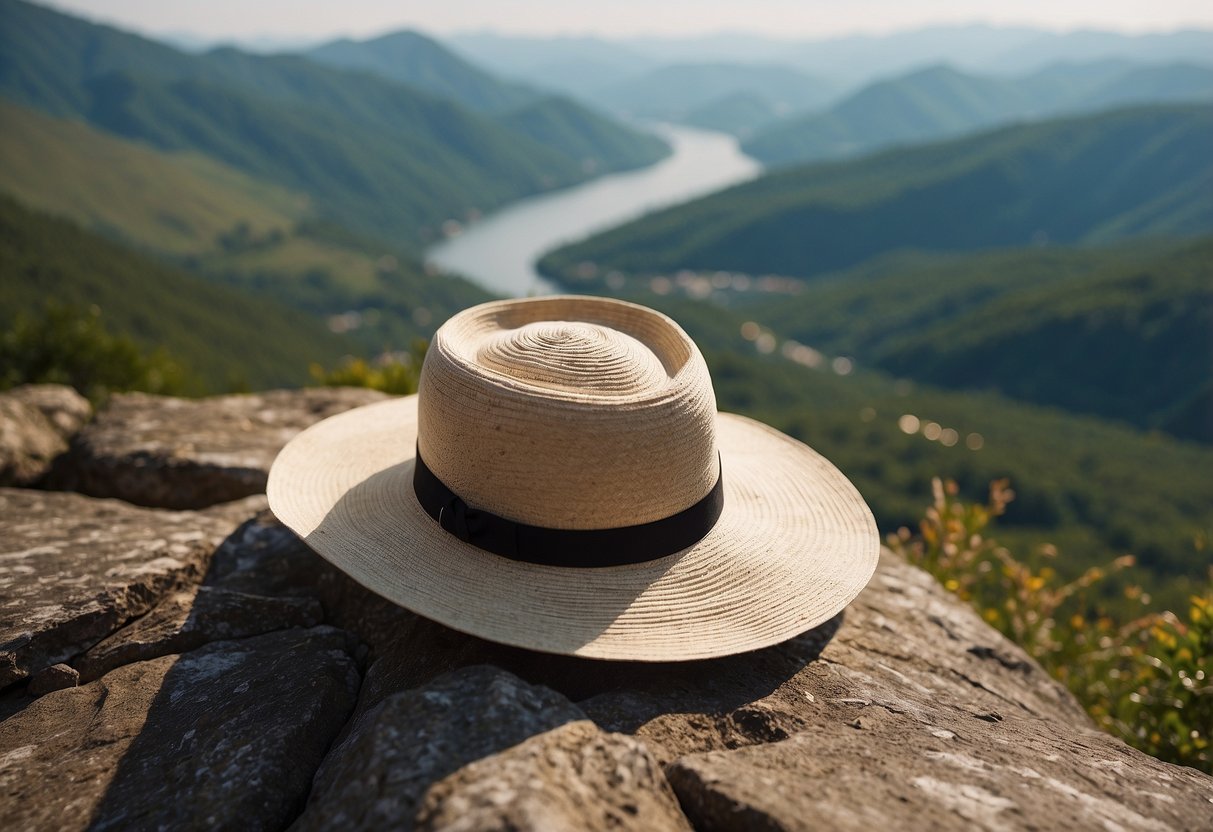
(66,344)
(1148,680)
(395,373)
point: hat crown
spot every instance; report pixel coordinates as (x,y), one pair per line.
(574,356)
(568,412)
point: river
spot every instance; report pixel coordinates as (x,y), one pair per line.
(499,252)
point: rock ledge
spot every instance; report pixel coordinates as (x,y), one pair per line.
(202,668)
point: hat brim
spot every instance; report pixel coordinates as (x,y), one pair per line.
(794,545)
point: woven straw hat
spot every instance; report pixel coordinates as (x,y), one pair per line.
(563,482)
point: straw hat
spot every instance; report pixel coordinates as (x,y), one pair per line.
(563,482)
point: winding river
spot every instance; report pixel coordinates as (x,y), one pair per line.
(500,251)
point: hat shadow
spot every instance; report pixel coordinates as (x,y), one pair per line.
(587,625)
(408,651)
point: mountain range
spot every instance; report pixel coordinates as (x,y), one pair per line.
(672,92)
(586,65)
(1090,179)
(941,101)
(414,59)
(375,154)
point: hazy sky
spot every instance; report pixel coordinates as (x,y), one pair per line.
(312,19)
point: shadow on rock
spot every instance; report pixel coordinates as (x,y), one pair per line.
(260,711)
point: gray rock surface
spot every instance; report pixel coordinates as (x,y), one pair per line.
(263,557)
(74,569)
(193,617)
(377,776)
(904,644)
(36,422)
(889,768)
(223,737)
(905,711)
(573,777)
(55,677)
(905,653)
(189,453)
(64,408)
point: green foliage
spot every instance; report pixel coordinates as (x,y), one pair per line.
(1148,680)
(397,373)
(1109,331)
(68,345)
(229,339)
(1168,711)
(1011,187)
(934,103)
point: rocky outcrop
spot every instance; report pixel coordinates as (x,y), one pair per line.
(223,737)
(55,677)
(1010,773)
(190,453)
(36,423)
(63,407)
(204,668)
(191,618)
(573,777)
(74,569)
(377,777)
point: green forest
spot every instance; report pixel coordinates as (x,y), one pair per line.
(1142,171)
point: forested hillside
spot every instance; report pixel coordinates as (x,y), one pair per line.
(581,134)
(1122,332)
(1129,173)
(225,226)
(173,203)
(225,338)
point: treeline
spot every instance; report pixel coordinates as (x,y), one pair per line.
(62,284)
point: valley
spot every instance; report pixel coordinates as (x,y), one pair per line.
(956,267)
